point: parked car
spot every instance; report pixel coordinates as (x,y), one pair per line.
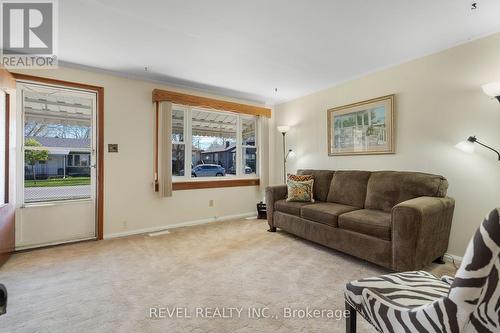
(208,170)
(248,170)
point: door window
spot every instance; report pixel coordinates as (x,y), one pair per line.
(57,145)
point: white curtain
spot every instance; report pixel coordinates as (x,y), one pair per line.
(264,152)
(164,149)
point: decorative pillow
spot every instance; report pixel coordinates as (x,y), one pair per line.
(299,178)
(300,191)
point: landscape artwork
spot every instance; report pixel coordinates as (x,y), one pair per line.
(362,128)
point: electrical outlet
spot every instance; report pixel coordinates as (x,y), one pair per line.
(124,225)
(210,203)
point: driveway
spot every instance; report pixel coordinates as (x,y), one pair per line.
(56,193)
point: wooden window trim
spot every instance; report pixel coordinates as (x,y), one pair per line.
(100,136)
(210,103)
(204,184)
(7,150)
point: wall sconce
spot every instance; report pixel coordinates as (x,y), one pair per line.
(469,146)
(492,90)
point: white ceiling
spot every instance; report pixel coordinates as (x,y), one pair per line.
(246,48)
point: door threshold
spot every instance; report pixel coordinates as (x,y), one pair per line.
(54,244)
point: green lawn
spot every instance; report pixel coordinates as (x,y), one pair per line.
(70,181)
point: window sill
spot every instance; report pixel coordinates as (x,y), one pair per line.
(203,184)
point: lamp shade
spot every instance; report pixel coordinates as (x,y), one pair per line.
(283,128)
(466,146)
(492,89)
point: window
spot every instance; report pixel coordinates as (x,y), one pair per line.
(213,135)
(213,144)
(78,160)
(248,132)
(57,144)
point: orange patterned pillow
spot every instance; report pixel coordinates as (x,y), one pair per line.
(299,178)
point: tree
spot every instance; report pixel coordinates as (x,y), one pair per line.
(33,156)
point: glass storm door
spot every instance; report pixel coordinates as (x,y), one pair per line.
(58,167)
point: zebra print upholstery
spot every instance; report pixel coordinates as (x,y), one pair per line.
(420,302)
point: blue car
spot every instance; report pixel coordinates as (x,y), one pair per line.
(208,170)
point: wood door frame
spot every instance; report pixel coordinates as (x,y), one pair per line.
(8,209)
(100,136)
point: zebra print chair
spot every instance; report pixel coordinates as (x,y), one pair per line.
(420,302)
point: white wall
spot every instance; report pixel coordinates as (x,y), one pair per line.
(439,102)
(129,198)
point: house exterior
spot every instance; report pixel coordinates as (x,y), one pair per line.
(67,157)
(225,156)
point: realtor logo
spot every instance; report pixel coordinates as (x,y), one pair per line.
(29,33)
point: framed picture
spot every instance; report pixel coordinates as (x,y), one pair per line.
(362,128)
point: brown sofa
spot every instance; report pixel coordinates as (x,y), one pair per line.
(399,220)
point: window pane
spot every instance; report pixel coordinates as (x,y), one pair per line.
(85,160)
(50,180)
(248,131)
(214,142)
(177,125)
(249,161)
(178,158)
(57,142)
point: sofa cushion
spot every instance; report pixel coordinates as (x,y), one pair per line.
(322,180)
(325,212)
(388,188)
(349,188)
(371,222)
(290,207)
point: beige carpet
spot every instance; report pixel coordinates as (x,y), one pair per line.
(110,286)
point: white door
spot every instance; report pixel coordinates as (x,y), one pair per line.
(57,173)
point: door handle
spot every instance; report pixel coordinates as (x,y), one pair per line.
(93,166)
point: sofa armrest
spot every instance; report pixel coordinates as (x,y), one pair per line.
(420,231)
(273,194)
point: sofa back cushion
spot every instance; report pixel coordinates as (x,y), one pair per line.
(322,180)
(388,188)
(349,188)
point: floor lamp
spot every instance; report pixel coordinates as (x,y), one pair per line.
(284,130)
(492,90)
(469,146)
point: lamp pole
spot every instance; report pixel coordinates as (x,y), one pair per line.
(283,130)
(284,157)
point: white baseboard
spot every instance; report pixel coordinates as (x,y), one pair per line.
(177,225)
(32,247)
(451,257)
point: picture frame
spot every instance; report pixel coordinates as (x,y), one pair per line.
(362,128)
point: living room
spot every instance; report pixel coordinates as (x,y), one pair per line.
(132,182)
